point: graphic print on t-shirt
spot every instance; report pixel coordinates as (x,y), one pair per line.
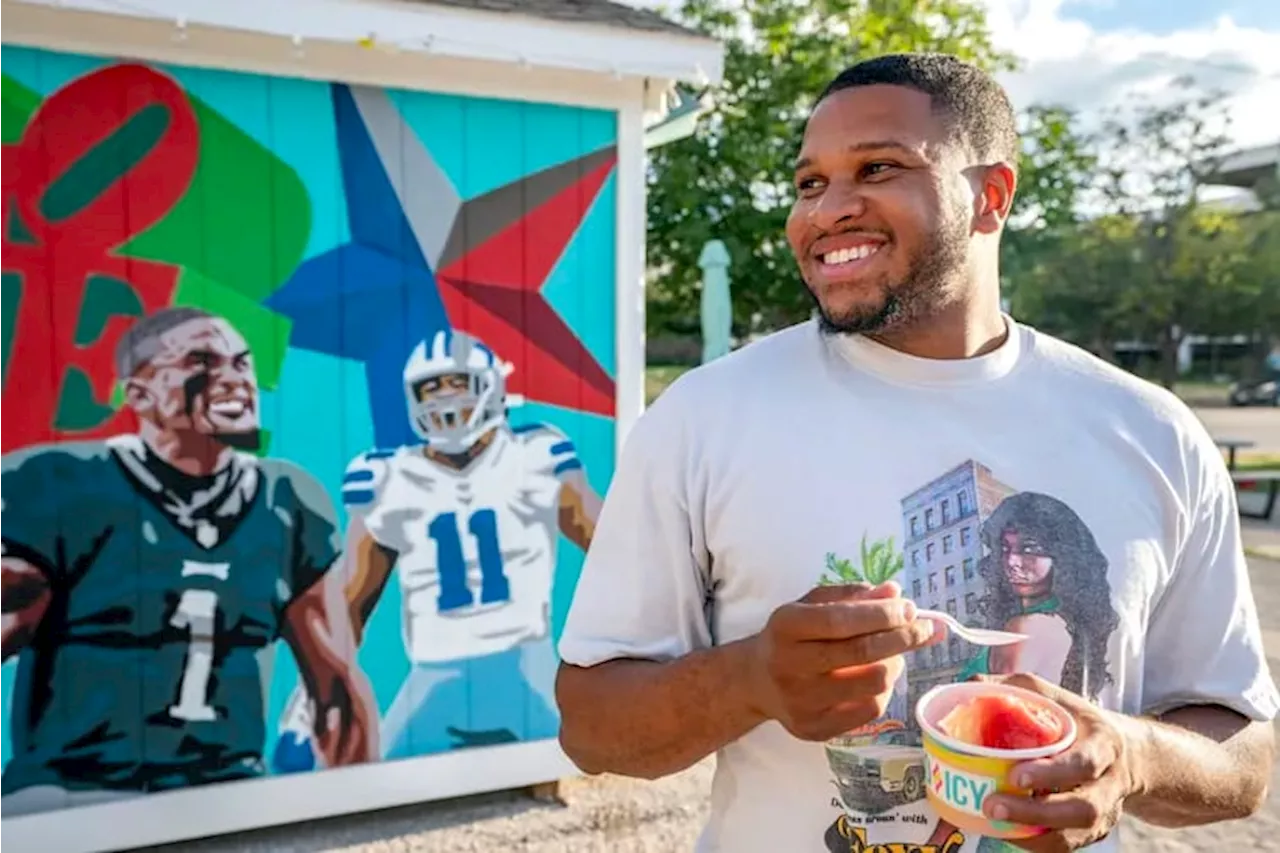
(993,557)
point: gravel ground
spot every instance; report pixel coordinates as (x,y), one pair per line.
(621,816)
(604,814)
(625,816)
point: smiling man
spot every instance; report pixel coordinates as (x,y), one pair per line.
(1025,482)
(143,575)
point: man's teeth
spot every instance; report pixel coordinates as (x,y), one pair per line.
(844,256)
(233,408)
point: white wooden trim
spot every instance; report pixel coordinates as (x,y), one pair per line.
(273,801)
(111,36)
(507,38)
(629,322)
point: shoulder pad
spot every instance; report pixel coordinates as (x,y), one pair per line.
(363,481)
(550,448)
(528,430)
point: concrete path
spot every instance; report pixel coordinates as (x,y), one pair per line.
(1258,424)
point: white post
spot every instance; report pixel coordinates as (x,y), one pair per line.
(630,295)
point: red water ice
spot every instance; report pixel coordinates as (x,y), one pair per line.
(1001,721)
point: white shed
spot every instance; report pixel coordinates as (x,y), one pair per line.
(323,326)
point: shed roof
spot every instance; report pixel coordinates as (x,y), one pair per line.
(606,12)
(386,42)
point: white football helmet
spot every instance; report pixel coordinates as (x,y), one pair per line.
(453,418)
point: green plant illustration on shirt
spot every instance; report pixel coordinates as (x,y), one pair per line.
(879,563)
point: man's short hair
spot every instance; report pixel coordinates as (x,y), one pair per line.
(141,343)
(976,106)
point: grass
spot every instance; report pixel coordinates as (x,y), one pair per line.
(1203,393)
(1257,461)
(658,376)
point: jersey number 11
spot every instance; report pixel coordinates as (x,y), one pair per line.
(452,565)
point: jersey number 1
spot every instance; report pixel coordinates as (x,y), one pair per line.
(196,613)
(454,592)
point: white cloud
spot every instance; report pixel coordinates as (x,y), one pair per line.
(1066,61)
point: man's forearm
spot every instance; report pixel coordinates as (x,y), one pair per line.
(648,719)
(1199,765)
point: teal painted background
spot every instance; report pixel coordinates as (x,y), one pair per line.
(288,208)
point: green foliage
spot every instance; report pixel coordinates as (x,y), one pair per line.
(1108,239)
(840,571)
(732,179)
(880,563)
(1151,261)
(1055,173)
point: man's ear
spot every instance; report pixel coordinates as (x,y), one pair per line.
(994,198)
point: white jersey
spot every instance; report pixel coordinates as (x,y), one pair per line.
(476,548)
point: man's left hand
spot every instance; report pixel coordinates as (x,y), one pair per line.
(1080,793)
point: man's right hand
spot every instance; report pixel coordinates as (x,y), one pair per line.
(827,663)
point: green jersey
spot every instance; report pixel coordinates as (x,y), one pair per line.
(143,673)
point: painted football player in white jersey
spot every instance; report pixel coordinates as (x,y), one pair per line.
(471,518)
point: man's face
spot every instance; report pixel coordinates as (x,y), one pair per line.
(880,225)
(202,380)
(444,388)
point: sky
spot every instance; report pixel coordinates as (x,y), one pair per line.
(1090,54)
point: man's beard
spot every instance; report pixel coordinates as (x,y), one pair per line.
(919,294)
(247,439)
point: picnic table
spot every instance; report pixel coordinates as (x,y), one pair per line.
(1249,480)
(1232,445)
(1252,479)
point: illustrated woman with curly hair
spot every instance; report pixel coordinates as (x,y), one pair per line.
(1046,578)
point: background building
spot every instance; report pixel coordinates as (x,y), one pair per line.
(1256,170)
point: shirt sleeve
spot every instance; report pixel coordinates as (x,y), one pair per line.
(644,586)
(33,514)
(1204,642)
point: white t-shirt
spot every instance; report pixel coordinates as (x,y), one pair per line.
(1101,495)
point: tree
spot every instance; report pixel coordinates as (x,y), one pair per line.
(732,179)
(1252,306)
(1056,174)
(1155,160)
(1110,238)
(1079,282)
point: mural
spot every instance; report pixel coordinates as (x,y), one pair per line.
(309,405)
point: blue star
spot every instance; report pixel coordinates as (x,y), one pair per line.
(373,299)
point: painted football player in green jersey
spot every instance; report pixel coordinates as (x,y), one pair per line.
(145,575)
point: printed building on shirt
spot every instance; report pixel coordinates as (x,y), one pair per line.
(322,328)
(942,549)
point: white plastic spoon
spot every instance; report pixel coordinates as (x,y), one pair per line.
(978,636)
